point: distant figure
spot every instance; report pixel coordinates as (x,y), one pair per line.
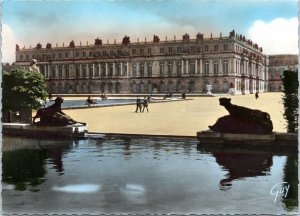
(183,95)
(50,96)
(138,104)
(89,101)
(103,96)
(256,95)
(145,104)
(33,66)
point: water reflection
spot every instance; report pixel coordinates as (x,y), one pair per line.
(242,165)
(144,175)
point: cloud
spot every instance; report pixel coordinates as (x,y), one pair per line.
(280,36)
(9,41)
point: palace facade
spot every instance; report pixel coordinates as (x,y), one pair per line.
(278,64)
(185,65)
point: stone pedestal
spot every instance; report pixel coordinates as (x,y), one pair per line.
(208,88)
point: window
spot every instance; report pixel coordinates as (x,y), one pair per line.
(206,48)
(133,51)
(192,48)
(83,54)
(111,52)
(170,50)
(161,69)
(77,54)
(91,54)
(178,49)
(216,47)
(142,70)
(216,67)
(134,70)
(162,50)
(206,67)
(149,51)
(66,55)
(141,51)
(170,68)
(21,57)
(149,69)
(225,67)
(225,47)
(59,55)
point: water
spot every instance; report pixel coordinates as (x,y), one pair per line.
(82,103)
(114,175)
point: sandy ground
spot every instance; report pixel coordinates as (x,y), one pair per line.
(184,118)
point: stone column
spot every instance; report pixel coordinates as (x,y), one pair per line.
(127,66)
(114,69)
(182,66)
(220,67)
(93,72)
(48,71)
(201,66)
(63,74)
(56,71)
(211,66)
(196,66)
(100,69)
(87,70)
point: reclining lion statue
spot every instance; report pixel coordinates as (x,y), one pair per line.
(242,120)
(53,115)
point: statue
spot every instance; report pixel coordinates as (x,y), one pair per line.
(186,37)
(33,66)
(242,120)
(48,46)
(98,41)
(17,47)
(53,115)
(126,40)
(199,36)
(39,46)
(72,44)
(156,39)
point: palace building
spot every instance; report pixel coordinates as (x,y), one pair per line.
(278,64)
(157,66)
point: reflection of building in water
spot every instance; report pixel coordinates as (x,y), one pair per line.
(158,66)
(278,64)
(241,165)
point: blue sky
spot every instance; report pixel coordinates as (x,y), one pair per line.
(30,22)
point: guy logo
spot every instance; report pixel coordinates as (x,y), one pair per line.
(280,188)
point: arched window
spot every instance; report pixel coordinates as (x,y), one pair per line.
(170,86)
(142,70)
(225,86)
(117,87)
(149,69)
(134,87)
(161,86)
(161,69)
(179,68)
(142,86)
(216,86)
(178,86)
(191,86)
(110,87)
(149,86)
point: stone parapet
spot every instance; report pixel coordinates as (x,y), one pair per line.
(18,129)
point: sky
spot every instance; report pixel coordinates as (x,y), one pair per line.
(272,24)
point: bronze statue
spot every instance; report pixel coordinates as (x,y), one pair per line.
(53,115)
(242,120)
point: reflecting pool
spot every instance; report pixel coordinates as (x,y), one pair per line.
(159,176)
(82,103)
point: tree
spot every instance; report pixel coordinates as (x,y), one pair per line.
(22,90)
(290,99)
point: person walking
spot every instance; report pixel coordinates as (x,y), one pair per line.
(256,95)
(138,104)
(145,104)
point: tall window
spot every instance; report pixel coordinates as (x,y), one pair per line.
(134,70)
(84,70)
(149,69)
(216,67)
(225,67)
(162,50)
(192,68)
(225,47)
(170,49)
(161,69)
(206,48)
(170,68)
(149,51)
(179,68)
(91,70)
(67,71)
(216,47)
(206,67)
(142,70)
(77,70)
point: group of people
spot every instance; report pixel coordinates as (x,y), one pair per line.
(142,104)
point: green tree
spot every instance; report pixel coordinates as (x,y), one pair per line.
(22,89)
(290,99)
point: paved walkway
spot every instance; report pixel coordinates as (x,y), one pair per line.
(183,118)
